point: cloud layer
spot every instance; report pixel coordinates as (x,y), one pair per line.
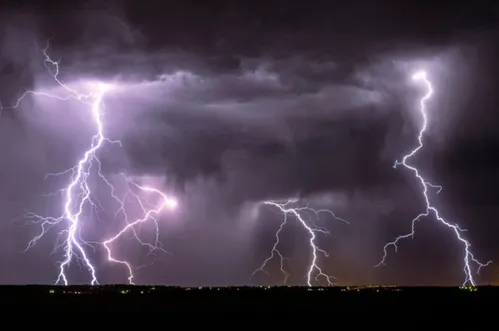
(231,118)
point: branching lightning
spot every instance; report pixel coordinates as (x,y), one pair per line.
(470,263)
(78,194)
(299,214)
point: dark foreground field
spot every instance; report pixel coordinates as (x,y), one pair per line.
(140,298)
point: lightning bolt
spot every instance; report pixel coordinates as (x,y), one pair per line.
(78,194)
(299,213)
(165,202)
(469,261)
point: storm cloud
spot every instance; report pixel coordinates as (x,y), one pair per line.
(237,108)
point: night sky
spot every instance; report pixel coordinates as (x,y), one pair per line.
(227,104)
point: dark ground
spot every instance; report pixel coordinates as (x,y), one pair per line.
(119,298)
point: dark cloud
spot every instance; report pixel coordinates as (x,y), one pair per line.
(231,105)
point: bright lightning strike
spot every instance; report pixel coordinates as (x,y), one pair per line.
(469,261)
(300,214)
(78,194)
(165,202)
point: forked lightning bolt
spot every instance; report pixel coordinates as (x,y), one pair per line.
(300,214)
(78,194)
(149,213)
(469,261)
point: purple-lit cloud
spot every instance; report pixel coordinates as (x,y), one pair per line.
(220,133)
